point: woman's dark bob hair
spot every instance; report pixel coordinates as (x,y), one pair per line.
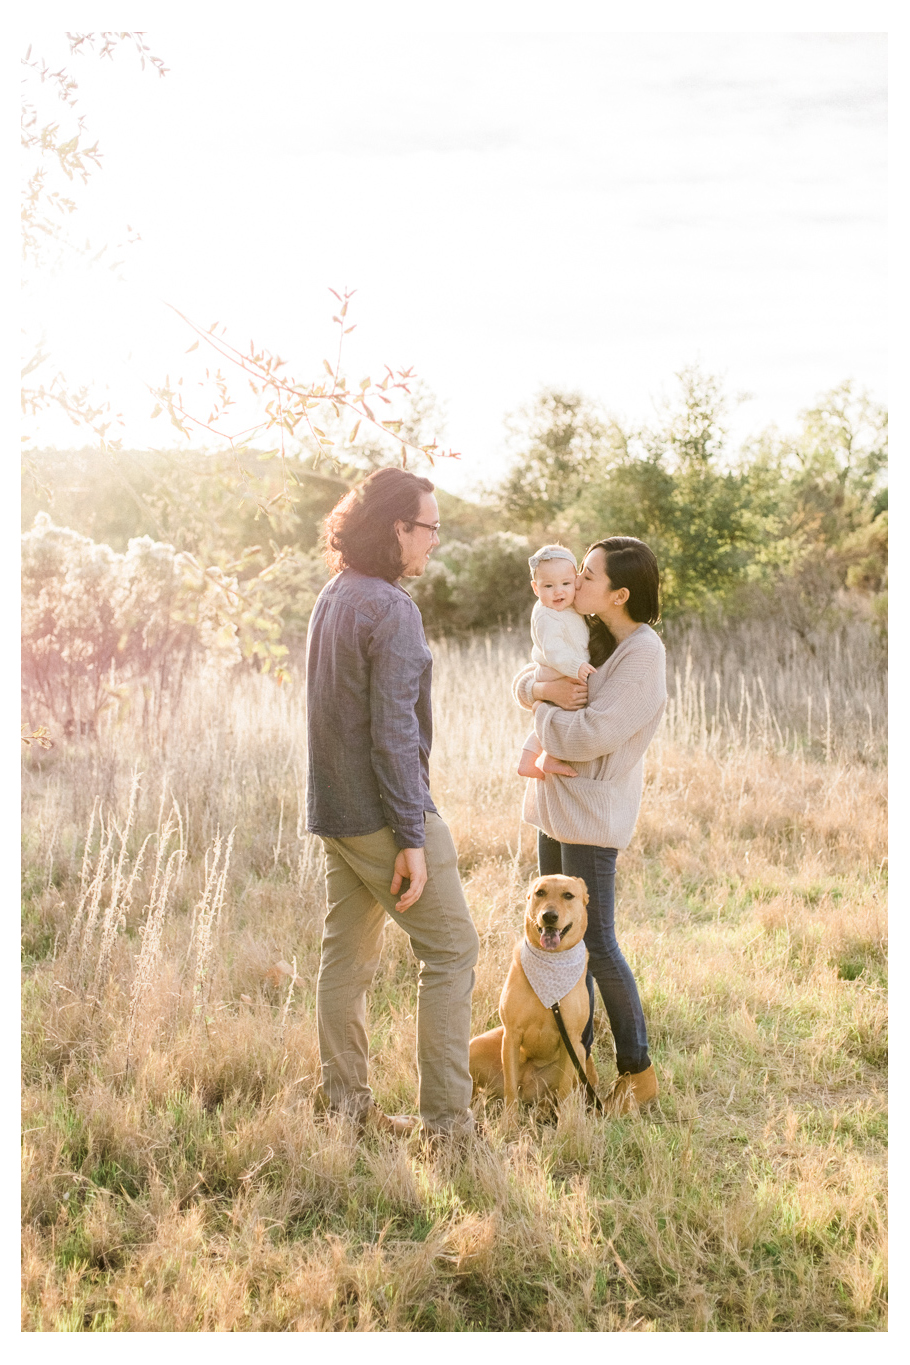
(630,563)
(360,529)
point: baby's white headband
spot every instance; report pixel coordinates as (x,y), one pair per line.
(551,552)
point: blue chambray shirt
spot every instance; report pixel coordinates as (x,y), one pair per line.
(369,720)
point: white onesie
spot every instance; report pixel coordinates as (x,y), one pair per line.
(560,639)
(560,648)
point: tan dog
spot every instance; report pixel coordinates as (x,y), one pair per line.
(526,1058)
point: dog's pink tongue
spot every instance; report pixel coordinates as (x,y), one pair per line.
(549,938)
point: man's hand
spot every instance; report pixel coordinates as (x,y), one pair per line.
(411,864)
(565,693)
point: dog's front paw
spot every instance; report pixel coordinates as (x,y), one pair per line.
(509,1121)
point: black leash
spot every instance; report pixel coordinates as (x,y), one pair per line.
(591,1092)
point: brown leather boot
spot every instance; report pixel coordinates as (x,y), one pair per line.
(629,1093)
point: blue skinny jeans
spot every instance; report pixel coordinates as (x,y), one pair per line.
(606,964)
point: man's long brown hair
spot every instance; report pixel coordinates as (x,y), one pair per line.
(360,529)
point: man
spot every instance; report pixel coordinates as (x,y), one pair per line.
(388,852)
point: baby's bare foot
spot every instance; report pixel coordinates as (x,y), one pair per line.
(527,765)
(548,764)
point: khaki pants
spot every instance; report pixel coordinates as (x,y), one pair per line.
(443,939)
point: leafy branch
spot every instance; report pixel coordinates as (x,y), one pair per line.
(291,408)
(57,149)
(38,735)
(58,154)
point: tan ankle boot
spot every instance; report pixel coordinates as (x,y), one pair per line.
(394,1125)
(369,1119)
(629,1093)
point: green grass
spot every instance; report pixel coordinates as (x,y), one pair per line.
(197,1190)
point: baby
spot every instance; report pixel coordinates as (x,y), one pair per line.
(560,639)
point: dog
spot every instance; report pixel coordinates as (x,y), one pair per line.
(526,1058)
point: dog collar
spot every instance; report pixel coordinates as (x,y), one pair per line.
(552,975)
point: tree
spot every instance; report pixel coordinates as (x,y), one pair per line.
(832,505)
(672,484)
(562,446)
(839,458)
(713,521)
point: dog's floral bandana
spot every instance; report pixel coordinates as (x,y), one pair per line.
(552,975)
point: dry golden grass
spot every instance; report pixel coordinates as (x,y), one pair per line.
(177,1179)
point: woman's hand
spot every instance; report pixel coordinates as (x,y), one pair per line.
(565,693)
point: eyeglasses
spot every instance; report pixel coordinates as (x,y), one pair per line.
(427,527)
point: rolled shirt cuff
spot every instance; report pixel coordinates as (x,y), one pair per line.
(410,834)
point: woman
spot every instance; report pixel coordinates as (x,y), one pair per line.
(584,820)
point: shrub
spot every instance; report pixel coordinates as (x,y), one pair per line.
(100,628)
(476,587)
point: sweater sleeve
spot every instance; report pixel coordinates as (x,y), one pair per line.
(522,684)
(628,700)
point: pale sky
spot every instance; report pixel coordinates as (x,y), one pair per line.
(589,210)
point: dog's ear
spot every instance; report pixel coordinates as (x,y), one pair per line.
(535,877)
(584,890)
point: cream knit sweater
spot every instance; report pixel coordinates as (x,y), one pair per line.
(605,742)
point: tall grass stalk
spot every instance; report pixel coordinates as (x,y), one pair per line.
(167,870)
(92,885)
(206,918)
(288,998)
